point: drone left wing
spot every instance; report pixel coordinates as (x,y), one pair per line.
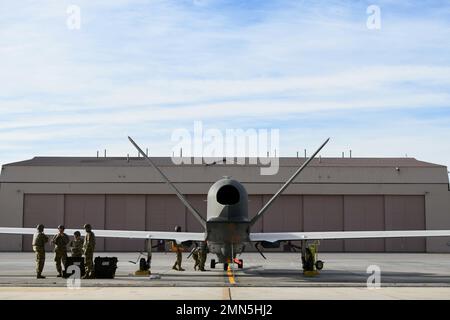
(179,237)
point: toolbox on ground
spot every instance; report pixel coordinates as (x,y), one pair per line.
(77,261)
(105,267)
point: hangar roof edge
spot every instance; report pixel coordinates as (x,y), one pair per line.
(167,161)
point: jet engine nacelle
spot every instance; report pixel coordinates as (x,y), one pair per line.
(227,202)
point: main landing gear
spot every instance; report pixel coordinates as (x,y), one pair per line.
(144,264)
(239,262)
(311,265)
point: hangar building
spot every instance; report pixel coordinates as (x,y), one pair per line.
(331,194)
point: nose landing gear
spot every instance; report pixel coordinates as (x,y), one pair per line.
(239,262)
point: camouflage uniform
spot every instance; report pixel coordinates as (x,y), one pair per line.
(178,249)
(76,246)
(88,249)
(202,257)
(39,241)
(60,240)
(195,256)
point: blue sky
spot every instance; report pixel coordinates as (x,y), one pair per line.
(144,68)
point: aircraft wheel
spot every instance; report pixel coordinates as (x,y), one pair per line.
(143,266)
(213,264)
(241,264)
(319,264)
(225,266)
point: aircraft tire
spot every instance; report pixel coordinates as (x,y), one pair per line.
(319,264)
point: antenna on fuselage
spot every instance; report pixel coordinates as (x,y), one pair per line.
(194,212)
(276,195)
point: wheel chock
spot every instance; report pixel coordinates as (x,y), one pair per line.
(312,273)
(142,273)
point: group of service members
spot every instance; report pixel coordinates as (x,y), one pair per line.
(199,254)
(86,247)
(61,242)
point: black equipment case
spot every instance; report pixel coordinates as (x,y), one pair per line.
(105,267)
(77,261)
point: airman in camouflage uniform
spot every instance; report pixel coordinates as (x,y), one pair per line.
(195,257)
(39,241)
(202,256)
(60,240)
(76,245)
(88,249)
(178,249)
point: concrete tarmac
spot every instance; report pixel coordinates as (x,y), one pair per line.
(403,276)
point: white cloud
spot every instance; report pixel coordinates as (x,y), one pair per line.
(150,65)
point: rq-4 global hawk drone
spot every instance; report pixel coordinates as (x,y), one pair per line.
(227,227)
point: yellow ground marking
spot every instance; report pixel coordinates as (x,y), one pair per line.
(230,275)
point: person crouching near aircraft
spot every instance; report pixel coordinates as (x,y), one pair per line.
(76,245)
(178,249)
(88,250)
(39,241)
(60,240)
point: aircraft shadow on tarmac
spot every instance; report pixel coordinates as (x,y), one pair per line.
(338,276)
(254,275)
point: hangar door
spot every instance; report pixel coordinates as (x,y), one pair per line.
(407,213)
(124,212)
(289,213)
(80,209)
(324,213)
(47,209)
(365,213)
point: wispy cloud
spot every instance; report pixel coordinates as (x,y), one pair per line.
(147,67)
